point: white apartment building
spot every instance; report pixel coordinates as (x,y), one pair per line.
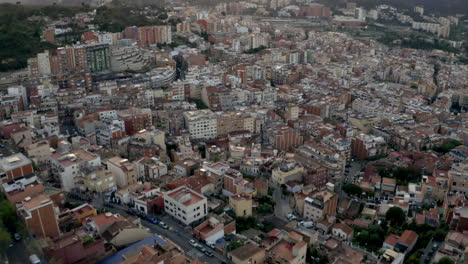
(185,205)
(123,170)
(202,124)
(67,166)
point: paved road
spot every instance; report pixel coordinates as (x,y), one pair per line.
(181,238)
(19,253)
(429,252)
(282,208)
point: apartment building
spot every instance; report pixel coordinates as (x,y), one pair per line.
(202,124)
(320,205)
(185,205)
(367,146)
(458,177)
(67,166)
(241,204)
(123,170)
(39,152)
(15,166)
(287,171)
(150,168)
(99,181)
(135,119)
(40,216)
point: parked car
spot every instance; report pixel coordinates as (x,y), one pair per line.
(151,220)
(212,246)
(17,236)
(34,259)
(163,225)
(193,243)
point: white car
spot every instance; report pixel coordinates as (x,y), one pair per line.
(34,259)
(163,225)
(192,242)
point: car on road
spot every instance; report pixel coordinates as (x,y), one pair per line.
(291,217)
(201,249)
(151,220)
(17,236)
(193,243)
(163,225)
(212,246)
(208,253)
(34,259)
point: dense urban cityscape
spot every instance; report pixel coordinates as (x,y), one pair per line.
(244,132)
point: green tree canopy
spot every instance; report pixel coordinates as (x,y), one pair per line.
(352,189)
(395,216)
(445,260)
(5,240)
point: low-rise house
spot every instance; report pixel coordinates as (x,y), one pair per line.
(454,247)
(388,185)
(390,242)
(406,241)
(248,254)
(77,247)
(101,222)
(210,231)
(164,251)
(123,233)
(290,249)
(342,231)
(17,190)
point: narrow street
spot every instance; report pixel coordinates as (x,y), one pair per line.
(282,208)
(181,236)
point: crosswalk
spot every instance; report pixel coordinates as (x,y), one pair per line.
(194,254)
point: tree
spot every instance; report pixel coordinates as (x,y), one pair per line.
(395,216)
(352,189)
(445,260)
(5,240)
(8,215)
(235,244)
(265,209)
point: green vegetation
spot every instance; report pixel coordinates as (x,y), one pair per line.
(116,19)
(352,189)
(235,244)
(402,175)
(255,50)
(178,41)
(266,205)
(395,216)
(246,223)
(370,238)
(445,260)
(425,234)
(88,240)
(20,38)
(447,147)
(5,240)
(199,102)
(313,256)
